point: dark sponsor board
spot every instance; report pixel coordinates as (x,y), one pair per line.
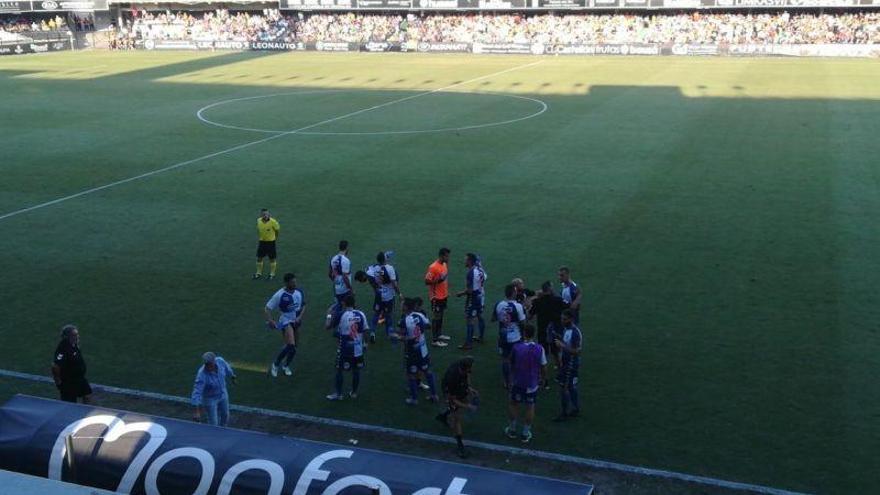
(175,45)
(444,4)
(19,6)
(509,48)
(427,47)
(496,4)
(333,46)
(317,4)
(750,3)
(624,49)
(750,50)
(35,47)
(822,3)
(503,4)
(607,49)
(681,4)
(138,454)
(14,7)
(324,46)
(694,49)
(562,4)
(68,5)
(223,45)
(783,3)
(384,4)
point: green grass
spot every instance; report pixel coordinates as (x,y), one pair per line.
(721,215)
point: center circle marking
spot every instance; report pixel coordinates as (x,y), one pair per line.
(200,114)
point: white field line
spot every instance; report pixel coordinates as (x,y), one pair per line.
(200,114)
(254,143)
(403,434)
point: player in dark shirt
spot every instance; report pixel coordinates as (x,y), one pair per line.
(459,393)
(547,307)
(69,367)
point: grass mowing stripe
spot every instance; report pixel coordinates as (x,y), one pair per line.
(258,141)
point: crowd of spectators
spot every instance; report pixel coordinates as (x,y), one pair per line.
(549,29)
(775,28)
(19,24)
(23,24)
(219,25)
(15,29)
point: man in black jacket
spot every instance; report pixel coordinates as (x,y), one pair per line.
(548,307)
(459,397)
(69,367)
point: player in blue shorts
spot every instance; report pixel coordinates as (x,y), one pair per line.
(291,303)
(368,275)
(510,315)
(349,327)
(387,289)
(473,306)
(570,343)
(339,273)
(412,327)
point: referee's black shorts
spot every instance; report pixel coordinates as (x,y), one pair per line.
(438,306)
(266,248)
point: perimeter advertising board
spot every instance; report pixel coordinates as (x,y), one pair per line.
(317,4)
(546,5)
(35,47)
(137,454)
(14,7)
(624,49)
(68,5)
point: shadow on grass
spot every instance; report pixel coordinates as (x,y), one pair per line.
(708,230)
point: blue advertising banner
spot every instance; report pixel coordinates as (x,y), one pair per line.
(133,453)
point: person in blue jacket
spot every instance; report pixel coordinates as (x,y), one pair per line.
(209,395)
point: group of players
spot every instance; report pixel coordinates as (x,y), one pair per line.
(522,346)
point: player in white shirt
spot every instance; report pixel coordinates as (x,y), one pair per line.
(340,274)
(413,326)
(475,301)
(387,289)
(510,315)
(570,293)
(290,302)
(348,328)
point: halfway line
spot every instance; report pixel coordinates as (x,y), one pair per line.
(253,143)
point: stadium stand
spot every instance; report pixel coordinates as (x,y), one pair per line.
(738,28)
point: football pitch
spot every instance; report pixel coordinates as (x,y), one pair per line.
(721,216)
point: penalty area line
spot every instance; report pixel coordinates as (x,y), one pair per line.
(254,143)
(502,449)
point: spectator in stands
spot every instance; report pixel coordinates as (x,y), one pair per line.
(209,395)
(69,367)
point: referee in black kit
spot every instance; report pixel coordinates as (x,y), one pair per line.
(69,367)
